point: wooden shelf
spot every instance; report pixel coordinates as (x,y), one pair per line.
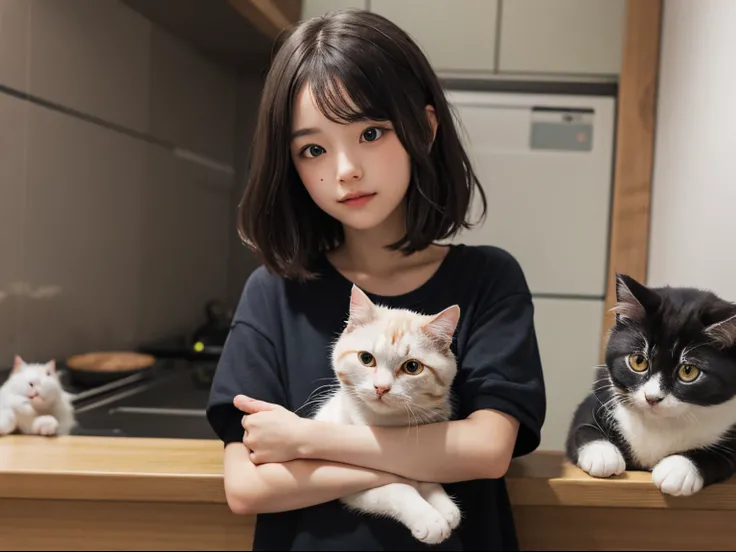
(168,494)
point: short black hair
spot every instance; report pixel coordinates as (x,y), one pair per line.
(388,78)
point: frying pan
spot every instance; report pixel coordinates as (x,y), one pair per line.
(96,368)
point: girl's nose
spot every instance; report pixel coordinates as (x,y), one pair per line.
(348,169)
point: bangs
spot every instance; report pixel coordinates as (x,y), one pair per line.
(344,91)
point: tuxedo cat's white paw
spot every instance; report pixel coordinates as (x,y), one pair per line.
(676,475)
(601,459)
(438,498)
(430,527)
(45,425)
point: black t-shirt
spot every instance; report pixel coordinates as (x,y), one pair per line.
(279,347)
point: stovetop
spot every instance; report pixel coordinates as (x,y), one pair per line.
(169,401)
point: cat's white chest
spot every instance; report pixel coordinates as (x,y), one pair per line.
(651,439)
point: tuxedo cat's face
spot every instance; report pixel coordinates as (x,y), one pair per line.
(395,359)
(672,350)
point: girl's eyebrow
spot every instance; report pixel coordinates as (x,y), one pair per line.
(304,132)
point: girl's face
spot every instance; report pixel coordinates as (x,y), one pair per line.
(357,173)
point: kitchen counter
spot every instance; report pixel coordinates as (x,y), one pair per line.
(97,492)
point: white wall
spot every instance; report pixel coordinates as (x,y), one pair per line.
(693,232)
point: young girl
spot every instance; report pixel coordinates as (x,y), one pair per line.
(357,172)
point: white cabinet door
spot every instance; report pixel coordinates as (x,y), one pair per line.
(547,181)
(457,35)
(314,8)
(562,36)
(568,333)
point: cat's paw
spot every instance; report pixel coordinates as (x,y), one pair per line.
(677,475)
(25,408)
(7,422)
(439,499)
(45,425)
(430,528)
(601,459)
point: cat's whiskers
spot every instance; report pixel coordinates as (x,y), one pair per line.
(416,423)
(427,414)
(689,349)
(320,395)
(722,451)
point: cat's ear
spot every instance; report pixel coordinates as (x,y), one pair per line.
(442,326)
(634,300)
(17,363)
(51,366)
(362,309)
(723,332)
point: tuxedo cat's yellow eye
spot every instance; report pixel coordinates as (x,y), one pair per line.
(638,362)
(412,367)
(367,359)
(688,373)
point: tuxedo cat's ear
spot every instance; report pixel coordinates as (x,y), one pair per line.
(634,300)
(442,327)
(17,363)
(362,309)
(723,332)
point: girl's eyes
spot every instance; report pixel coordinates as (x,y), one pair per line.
(369,135)
(372,134)
(313,151)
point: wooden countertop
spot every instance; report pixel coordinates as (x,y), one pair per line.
(185,470)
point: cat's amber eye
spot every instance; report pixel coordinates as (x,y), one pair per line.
(688,373)
(638,362)
(367,359)
(412,367)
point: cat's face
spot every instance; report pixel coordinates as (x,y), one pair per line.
(672,350)
(38,382)
(396,360)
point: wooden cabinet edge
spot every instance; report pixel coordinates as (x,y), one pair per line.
(270,17)
(635,128)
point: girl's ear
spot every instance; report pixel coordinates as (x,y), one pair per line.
(432,116)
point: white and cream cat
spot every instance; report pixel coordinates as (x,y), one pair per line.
(395,368)
(33,401)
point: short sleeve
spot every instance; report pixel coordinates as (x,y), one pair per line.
(501,363)
(249,362)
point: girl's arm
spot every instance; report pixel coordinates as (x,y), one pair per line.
(269,488)
(479,447)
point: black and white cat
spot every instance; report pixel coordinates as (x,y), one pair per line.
(665,400)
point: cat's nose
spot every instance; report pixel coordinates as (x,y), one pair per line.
(382,390)
(653,399)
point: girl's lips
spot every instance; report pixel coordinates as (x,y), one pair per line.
(358,201)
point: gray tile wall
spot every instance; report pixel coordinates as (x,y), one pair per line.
(108,238)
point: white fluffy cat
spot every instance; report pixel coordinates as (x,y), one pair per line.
(33,401)
(395,368)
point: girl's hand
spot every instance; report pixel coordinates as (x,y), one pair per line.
(272,433)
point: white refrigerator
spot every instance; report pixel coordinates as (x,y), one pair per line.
(545,162)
